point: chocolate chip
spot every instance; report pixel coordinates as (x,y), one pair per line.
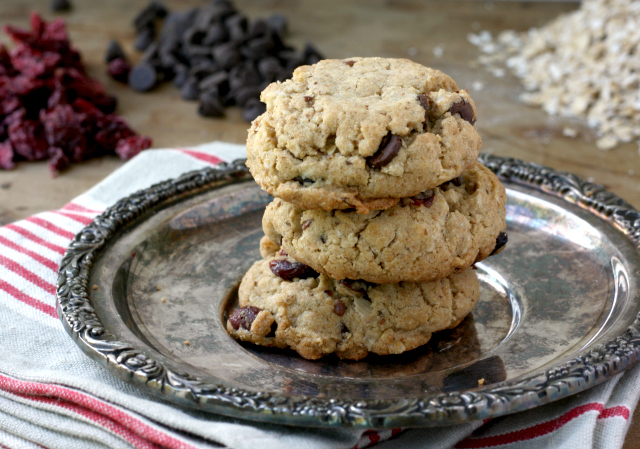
(306,224)
(244,317)
(198,51)
(181,75)
(244,94)
(425,102)
(259,46)
(329,292)
(308,100)
(310,54)
(237,20)
(190,90)
(143,77)
(210,105)
(243,75)
(114,51)
(349,63)
(501,242)
(143,39)
(388,149)
(226,55)
(60,5)
(464,109)
(253,109)
(339,307)
(269,67)
(215,81)
(291,270)
(203,68)
(278,23)
(272,331)
(145,18)
(217,33)
(257,28)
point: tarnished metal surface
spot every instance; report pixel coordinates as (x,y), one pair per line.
(557,313)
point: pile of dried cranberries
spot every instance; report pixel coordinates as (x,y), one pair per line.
(50,108)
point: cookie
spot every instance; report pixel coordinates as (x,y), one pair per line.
(428,236)
(361,133)
(316,315)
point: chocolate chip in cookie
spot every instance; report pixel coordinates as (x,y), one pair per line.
(388,149)
(501,242)
(464,109)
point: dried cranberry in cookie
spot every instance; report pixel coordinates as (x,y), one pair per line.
(361,133)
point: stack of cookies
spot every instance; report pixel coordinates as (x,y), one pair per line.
(381,210)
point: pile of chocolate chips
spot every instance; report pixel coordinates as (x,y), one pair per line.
(49,107)
(214,54)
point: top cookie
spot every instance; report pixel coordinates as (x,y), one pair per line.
(361,133)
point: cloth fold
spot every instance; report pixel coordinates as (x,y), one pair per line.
(53,396)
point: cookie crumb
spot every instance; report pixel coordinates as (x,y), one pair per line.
(477,85)
(438,51)
(164,299)
(159,288)
(481,382)
(95,287)
(187,342)
(569,132)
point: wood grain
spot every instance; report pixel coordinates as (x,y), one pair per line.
(340,29)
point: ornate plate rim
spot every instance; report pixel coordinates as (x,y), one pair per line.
(123,359)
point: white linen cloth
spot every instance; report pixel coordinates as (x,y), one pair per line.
(53,396)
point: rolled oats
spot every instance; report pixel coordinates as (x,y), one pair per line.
(584,64)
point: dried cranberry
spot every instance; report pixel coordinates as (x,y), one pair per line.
(244,317)
(58,161)
(119,70)
(423,200)
(39,79)
(6,156)
(63,127)
(112,130)
(28,140)
(131,146)
(291,270)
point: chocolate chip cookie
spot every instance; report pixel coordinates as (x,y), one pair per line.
(361,133)
(315,315)
(428,236)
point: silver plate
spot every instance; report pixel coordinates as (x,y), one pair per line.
(557,314)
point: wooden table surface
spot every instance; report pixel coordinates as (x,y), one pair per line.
(340,29)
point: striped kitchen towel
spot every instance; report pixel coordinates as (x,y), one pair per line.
(53,396)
